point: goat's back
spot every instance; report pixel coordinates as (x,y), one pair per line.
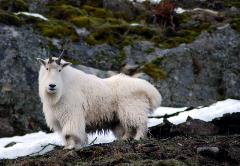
(126,87)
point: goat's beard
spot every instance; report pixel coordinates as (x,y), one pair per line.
(53,97)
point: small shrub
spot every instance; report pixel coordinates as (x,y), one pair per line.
(164,13)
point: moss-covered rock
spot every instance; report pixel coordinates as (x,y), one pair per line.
(9,18)
(14,5)
(153,71)
(186,33)
(64,11)
(57,29)
(120,34)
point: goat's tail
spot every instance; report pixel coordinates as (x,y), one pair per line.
(154,97)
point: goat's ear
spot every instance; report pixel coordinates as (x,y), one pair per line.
(65,64)
(41,61)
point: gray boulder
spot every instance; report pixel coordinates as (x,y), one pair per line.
(202,72)
(20,107)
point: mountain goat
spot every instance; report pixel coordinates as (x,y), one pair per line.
(76,103)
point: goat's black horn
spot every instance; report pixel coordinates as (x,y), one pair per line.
(60,57)
(50,60)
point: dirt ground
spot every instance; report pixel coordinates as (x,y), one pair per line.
(175,151)
(191,143)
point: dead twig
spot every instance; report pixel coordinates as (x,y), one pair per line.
(93,141)
(43,147)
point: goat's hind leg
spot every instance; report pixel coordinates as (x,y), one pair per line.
(118,131)
(133,116)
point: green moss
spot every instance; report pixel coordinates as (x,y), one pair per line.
(14,5)
(89,22)
(91,40)
(115,21)
(235,23)
(120,34)
(80,21)
(65,11)
(184,17)
(94,3)
(149,50)
(128,40)
(9,18)
(57,29)
(97,12)
(157,61)
(122,56)
(110,34)
(153,71)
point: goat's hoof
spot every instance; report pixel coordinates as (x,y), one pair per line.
(68,147)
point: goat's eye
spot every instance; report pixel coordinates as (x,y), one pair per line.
(47,68)
(59,70)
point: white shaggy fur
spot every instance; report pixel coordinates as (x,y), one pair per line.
(85,103)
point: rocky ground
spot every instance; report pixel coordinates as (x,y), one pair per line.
(176,151)
(193,142)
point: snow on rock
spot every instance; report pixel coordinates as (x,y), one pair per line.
(180,10)
(205,113)
(135,24)
(35,143)
(161,111)
(33,15)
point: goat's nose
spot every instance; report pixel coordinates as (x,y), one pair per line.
(52,85)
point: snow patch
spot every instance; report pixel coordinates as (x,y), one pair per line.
(33,15)
(203,113)
(135,24)
(180,10)
(33,144)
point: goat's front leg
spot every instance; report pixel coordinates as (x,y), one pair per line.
(74,133)
(52,122)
